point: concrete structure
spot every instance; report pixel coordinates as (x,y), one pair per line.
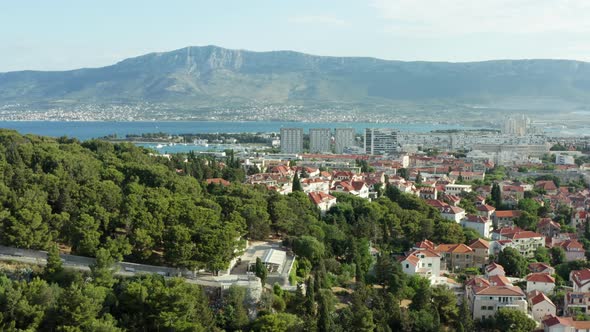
(455,257)
(319,140)
(343,138)
(381,141)
(481,252)
(480,224)
(516,125)
(564,159)
(456,189)
(291,140)
(580,280)
(494,270)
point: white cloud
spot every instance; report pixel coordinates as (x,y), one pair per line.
(318,20)
(458,17)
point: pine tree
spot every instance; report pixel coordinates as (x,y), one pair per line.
(260,270)
(54,264)
(296,183)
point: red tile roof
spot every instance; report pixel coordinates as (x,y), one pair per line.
(499,280)
(540,297)
(480,244)
(540,277)
(485,208)
(453,248)
(507,213)
(501,290)
(580,277)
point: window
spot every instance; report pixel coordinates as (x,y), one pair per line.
(407,266)
(429,264)
(483,307)
(490,308)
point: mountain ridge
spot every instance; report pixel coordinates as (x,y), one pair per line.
(211,74)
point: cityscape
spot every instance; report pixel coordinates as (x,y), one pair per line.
(294,166)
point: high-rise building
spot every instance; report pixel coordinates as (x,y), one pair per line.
(343,138)
(319,140)
(380,141)
(291,140)
(516,125)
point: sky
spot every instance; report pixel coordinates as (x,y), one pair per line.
(70,34)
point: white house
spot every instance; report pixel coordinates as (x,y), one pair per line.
(581,280)
(542,282)
(456,189)
(323,201)
(424,262)
(453,213)
(487,301)
(494,270)
(565,324)
(480,224)
(540,306)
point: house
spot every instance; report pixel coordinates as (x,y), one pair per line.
(526,242)
(494,269)
(499,245)
(423,262)
(576,301)
(487,300)
(453,213)
(485,210)
(322,200)
(548,186)
(480,224)
(539,267)
(456,189)
(579,218)
(564,324)
(540,305)
(455,257)
(356,188)
(505,218)
(516,191)
(481,249)
(548,228)
(467,176)
(574,250)
(428,192)
(315,185)
(580,280)
(542,282)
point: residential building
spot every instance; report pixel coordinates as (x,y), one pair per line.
(549,228)
(542,282)
(494,269)
(579,219)
(540,305)
(343,138)
(457,189)
(526,242)
(319,140)
(356,188)
(455,257)
(291,140)
(480,224)
(486,211)
(487,300)
(539,267)
(481,252)
(423,262)
(574,250)
(580,280)
(576,301)
(380,141)
(322,200)
(428,192)
(564,324)
(505,218)
(467,176)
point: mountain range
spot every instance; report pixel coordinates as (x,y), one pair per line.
(213,75)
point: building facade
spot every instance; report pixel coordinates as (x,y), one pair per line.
(343,138)
(319,140)
(381,141)
(291,140)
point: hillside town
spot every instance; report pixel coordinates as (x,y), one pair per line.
(525,208)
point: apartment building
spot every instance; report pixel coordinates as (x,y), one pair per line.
(291,140)
(320,140)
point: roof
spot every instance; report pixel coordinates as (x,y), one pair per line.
(274,256)
(580,277)
(568,245)
(498,280)
(540,297)
(540,277)
(480,244)
(523,235)
(555,320)
(220,181)
(501,290)
(539,266)
(476,219)
(453,248)
(412,259)
(494,266)
(485,208)
(507,214)
(319,197)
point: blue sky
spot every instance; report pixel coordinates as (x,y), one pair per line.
(68,34)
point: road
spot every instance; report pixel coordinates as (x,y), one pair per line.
(39,257)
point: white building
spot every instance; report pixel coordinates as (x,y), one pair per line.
(456,189)
(540,306)
(424,262)
(380,141)
(319,140)
(343,138)
(480,224)
(542,282)
(291,140)
(487,300)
